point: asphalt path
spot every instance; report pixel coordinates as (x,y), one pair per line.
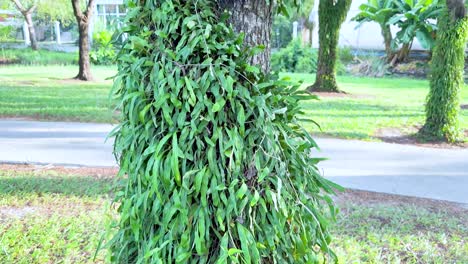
(373,166)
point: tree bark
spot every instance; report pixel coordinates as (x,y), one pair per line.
(254,18)
(331,16)
(83,20)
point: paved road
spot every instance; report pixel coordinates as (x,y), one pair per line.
(382,167)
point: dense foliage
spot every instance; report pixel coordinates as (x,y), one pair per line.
(215,166)
(443,103)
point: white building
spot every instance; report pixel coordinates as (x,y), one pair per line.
(367,36)
(107,11)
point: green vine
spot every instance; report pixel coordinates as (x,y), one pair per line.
(332,13)
(215,166)
(443,102)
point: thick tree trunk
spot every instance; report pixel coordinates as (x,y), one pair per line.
(331,16)
(31,30)
(254,18)
(443,102)
(84,73)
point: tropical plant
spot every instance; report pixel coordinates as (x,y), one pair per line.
(379,11)
(215,165)
(416,19)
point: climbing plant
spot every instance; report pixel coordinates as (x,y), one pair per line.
(332,14)
(214,163)
(443,102)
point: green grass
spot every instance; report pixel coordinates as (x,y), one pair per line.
(373,103)
(48,93)
(45,93)
(38,57)
(48,217)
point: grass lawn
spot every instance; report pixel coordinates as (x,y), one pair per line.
(372,104)
(58,216)
(47,93)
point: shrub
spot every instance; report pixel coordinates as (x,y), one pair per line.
(217,167)
(103,52)
(39,57)
(295,58)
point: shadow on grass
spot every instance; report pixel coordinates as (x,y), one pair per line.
(70,185)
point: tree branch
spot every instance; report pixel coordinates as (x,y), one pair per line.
(89,8)
(76,8)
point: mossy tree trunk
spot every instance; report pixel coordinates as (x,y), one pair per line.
(254,18)
(332,14)
(443,103)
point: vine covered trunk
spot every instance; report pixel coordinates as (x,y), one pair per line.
(332,14)
(215,166)
(253,18)
(443,102)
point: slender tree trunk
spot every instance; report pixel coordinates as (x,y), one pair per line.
(331,16)
(443,102)
(83,19)
(31,30)
(27,13)
(387,35)
(254,18)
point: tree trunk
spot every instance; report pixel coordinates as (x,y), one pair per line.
(84,73)
(254,18)
(443,102)
(331,16)
(83,20)
(31,30)
(387,35)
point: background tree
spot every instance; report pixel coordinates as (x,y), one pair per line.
(27,8)
(415,20)
(83,19)
(443,103)
(379,11)
(56,10)
(332,13)
(218,168)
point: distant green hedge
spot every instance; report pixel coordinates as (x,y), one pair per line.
(40,57)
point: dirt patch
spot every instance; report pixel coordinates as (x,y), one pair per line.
(366,198)
(342,95)
(97,172)
(16,212)
(398,136)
